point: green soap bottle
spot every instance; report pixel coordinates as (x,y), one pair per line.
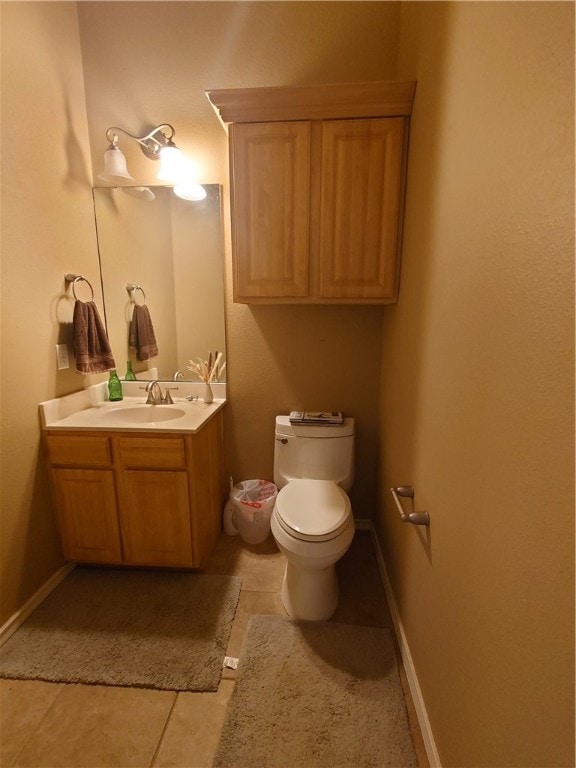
(114,386)
(130,375)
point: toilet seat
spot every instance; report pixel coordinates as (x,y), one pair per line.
(329,502)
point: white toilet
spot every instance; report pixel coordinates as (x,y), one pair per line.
(312,520)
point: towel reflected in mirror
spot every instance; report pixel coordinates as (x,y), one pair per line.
(141,333)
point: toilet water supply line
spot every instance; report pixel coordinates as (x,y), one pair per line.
(416,518)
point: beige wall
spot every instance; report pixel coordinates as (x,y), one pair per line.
(47,230)
(152,65)
(478,413)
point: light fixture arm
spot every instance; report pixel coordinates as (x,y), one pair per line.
(151,144)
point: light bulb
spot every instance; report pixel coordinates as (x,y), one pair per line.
(171,165)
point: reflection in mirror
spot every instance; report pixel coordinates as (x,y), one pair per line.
(172,249)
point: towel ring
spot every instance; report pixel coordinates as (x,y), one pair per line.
(70,278)
(131,288)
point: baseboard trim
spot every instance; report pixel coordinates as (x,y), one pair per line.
(422,715)
(18,618)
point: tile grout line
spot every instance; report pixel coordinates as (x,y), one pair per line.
(164,729)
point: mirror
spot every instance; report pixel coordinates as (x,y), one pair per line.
(172,251)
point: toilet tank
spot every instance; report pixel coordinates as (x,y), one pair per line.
(315,453)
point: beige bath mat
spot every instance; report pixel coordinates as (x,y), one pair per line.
(149,629)
(320,695)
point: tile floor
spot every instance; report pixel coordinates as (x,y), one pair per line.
(48,725)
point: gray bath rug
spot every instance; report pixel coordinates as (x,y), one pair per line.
(310,695)
(149,629)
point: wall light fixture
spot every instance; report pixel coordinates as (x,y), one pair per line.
(156,145)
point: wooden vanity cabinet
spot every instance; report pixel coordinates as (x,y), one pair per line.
(138,499)
(317,188)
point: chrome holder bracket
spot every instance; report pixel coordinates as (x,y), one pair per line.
(407,492)
(151,144)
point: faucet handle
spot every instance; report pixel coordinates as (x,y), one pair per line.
(167,399)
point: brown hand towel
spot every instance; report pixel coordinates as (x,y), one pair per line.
(141,334)
(91,345)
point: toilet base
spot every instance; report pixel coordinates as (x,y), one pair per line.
(310,594)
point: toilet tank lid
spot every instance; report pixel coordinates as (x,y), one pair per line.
(285,427)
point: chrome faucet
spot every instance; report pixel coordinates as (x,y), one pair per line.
(155,396)
(154,393)
(178,375)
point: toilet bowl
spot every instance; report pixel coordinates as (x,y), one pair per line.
(312,544)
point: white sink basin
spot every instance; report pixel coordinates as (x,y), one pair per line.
(145,414)
(89,410)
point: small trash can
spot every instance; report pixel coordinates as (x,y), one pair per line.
(253,504)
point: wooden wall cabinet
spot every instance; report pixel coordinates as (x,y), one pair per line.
(317,188)
(138,499)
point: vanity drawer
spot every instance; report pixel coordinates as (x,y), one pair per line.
(151,452)
(73,451)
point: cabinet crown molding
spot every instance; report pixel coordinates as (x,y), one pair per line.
(313,102)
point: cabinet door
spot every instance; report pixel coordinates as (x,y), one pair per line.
(270,209)
(86,510)
(155,518)
(361,177)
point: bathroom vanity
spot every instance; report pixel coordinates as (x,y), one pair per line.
(317,190)
(132,490)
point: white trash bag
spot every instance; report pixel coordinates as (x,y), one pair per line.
(230,519)
(253,504)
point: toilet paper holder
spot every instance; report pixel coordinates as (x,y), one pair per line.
(407,492)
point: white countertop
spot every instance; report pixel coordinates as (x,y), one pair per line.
(90,410)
